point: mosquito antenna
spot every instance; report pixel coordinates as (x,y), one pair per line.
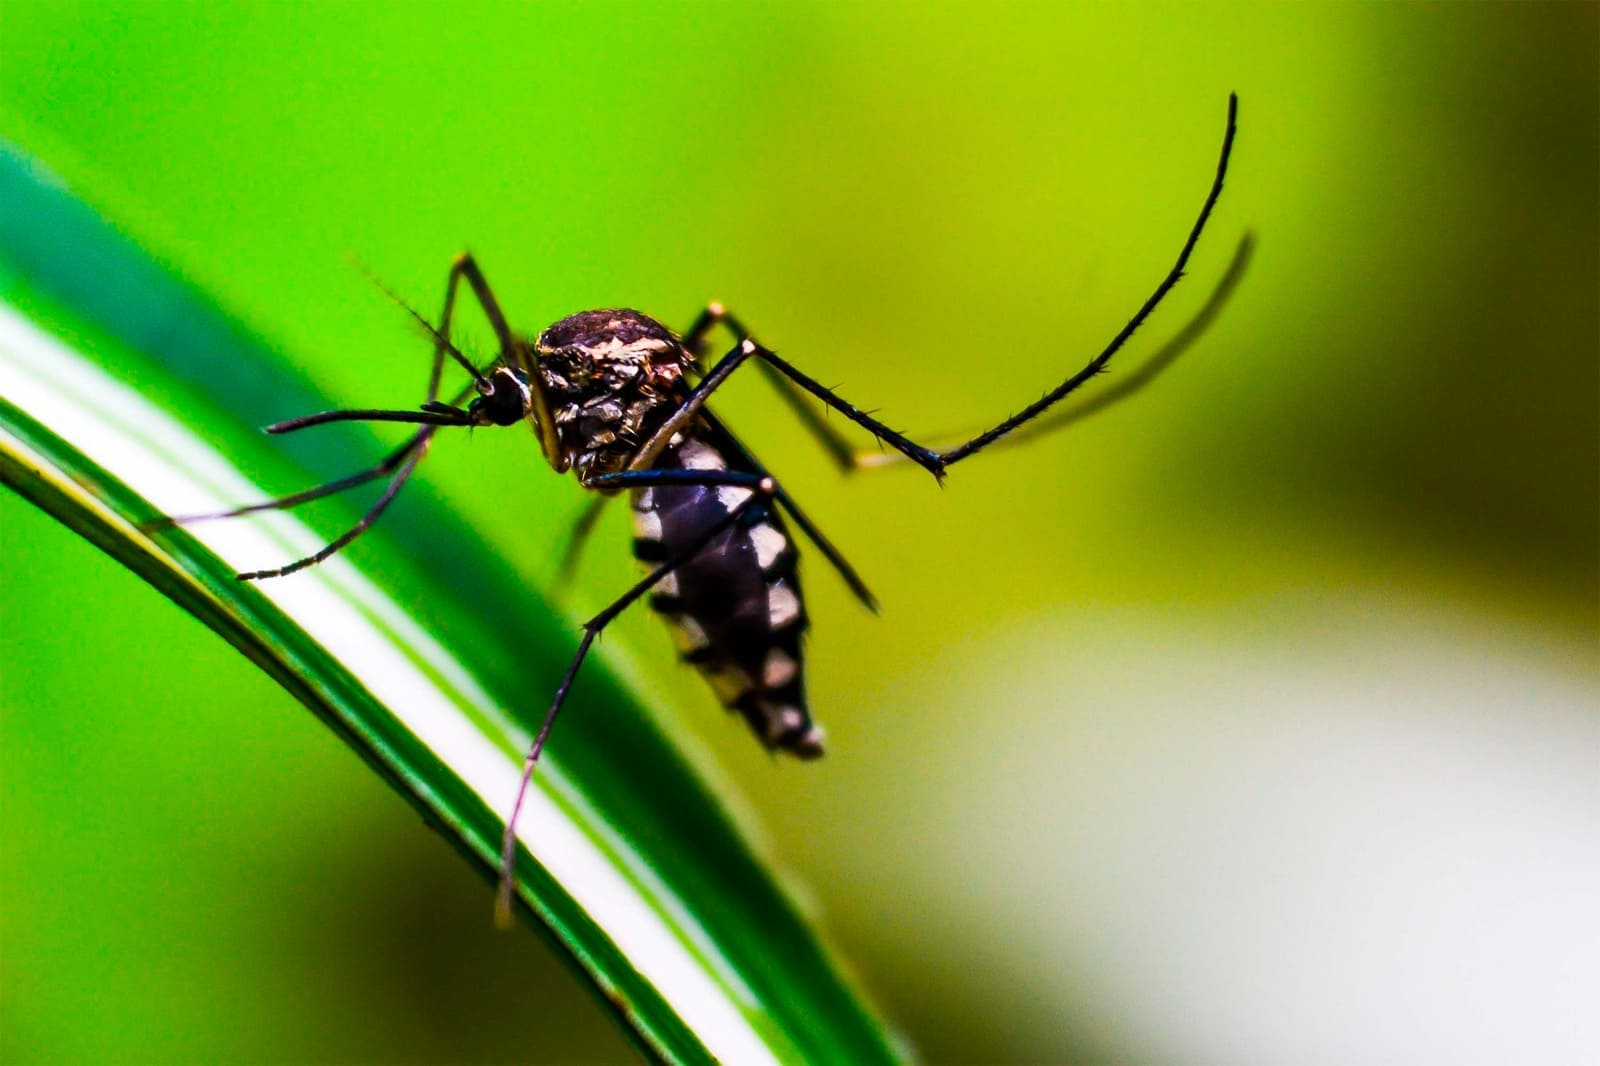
(444,343)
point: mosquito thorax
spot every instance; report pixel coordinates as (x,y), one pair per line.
(610,377)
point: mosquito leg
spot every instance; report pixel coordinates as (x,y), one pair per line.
(1097,364)
(764,489)
(1152,367)
(407,465)
(1125,387)
(833,442)
(695,402)
(641,478)
(829,552)
(442,346)
(936,462)
(646,456)
(746,348)
(440,335)
(284,503)
(832,554)
(432,415)
(465,266)
(442,342)
(407,456)
(403,459)
(713,315)
(926,458)
(511,353)
(756,479)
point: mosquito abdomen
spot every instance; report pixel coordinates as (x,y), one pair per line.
(735,607)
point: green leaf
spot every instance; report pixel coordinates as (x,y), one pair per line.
(127,396)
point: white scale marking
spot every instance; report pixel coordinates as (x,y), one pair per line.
(731,496)
(783,606)
(781,721)
(647,525)
(696,456)
(779,668)
(769,544)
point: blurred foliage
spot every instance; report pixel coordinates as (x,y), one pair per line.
(940,209)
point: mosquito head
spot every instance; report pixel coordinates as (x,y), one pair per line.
(610,378)
(504,398)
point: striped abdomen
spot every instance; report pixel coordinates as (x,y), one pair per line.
(735,607)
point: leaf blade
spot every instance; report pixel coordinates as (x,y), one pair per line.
(631,845)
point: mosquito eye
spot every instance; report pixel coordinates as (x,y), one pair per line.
(507,400)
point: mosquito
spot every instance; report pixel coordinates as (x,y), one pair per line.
(619,400)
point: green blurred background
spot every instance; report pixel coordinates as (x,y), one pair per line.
(1255,720)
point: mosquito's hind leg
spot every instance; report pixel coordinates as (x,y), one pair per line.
(936,462)
(1126,386)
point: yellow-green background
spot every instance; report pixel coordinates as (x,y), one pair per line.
(1302,640)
